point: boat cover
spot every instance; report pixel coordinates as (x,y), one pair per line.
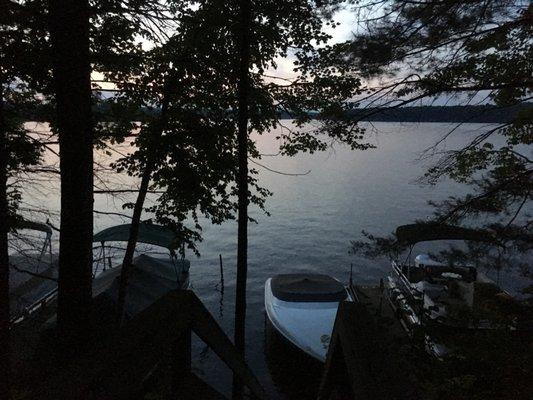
(422,232)
(27,289)
(150,279)
(307,288)
(149,233)
(35,226)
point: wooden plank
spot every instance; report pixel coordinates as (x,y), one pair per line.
(335,380)
(370,360)
(206,327)
(181,361)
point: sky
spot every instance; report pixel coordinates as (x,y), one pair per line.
(347,20)
(339,34)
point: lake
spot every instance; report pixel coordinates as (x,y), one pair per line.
(313,219)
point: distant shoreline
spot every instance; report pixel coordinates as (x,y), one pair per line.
(454,114)
(458,114)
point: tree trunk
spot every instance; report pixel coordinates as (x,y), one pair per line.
(242,182)
(4,260)
(69,33)
(127,262)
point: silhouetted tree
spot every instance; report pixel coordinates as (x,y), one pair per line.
(17,151)
(275,29)
(470,50)
(243,89)
(27,54)
(100,37)
(4,258)
(69,34)
(184,147)
(158,129)
(197,152)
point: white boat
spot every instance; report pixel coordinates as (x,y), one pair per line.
(302,308)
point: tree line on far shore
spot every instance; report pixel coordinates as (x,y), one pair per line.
(487,113)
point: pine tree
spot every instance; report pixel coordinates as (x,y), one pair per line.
(470,50)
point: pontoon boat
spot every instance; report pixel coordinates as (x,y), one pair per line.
(433,293)
(32,269)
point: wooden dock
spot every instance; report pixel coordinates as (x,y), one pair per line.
(365,355)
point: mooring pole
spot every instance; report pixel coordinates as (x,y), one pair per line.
(221,272)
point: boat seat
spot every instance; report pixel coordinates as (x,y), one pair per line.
(307,288)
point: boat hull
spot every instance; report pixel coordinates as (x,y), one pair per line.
(307,325)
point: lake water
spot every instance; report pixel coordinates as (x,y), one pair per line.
(313,219)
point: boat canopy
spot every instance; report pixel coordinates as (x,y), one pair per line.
(149,233)
(415,233)
(34,226)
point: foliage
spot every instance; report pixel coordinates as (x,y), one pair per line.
(138,45)
(488,366)
(469,50)
(17,99)
(197,155)
(26,78)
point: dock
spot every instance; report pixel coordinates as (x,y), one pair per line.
(365,355)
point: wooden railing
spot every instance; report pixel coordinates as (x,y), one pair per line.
(120,361)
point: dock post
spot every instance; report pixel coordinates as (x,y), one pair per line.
(221,270)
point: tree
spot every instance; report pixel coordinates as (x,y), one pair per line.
(248,40)
(471,50)
(206,127)
(4,257)
(243,88)
(185,148)
(198,150)
(106,32)
(69,34)
(17,150)
(26,82)
(157,130)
